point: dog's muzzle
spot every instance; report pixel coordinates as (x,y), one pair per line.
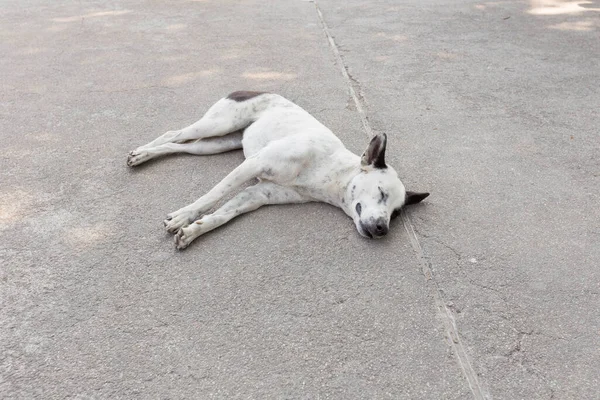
(376,229)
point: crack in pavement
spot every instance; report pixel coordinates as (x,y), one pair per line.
(444,311)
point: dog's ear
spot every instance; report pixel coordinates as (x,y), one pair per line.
(414,197)
(411,198)
(375,153)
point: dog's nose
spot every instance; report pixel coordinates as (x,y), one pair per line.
(377,229)
(381,230)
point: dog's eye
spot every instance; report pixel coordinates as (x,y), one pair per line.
(358,208)
(384,196)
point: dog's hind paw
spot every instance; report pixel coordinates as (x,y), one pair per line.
(136,157)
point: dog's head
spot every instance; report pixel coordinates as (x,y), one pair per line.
(376,194)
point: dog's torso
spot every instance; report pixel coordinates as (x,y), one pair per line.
(304,154)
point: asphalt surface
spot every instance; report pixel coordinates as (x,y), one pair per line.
(490,289)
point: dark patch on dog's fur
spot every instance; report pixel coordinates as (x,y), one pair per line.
(268,172)
(243,95)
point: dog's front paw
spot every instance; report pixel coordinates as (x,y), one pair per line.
(184,237)
(136,157)
(179,219)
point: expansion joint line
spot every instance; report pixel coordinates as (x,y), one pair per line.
(338,58)
(444,312)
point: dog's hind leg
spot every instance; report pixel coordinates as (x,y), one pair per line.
(248,200)
(213,145)
(227,115)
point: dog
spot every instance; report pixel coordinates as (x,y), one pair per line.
(295,158)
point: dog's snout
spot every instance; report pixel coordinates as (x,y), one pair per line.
(375,230)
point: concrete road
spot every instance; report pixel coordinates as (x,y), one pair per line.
(489,289)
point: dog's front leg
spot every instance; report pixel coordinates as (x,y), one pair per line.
(248,200)
(250,168)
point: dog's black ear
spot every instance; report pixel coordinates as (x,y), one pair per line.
(414,197)
(375,153)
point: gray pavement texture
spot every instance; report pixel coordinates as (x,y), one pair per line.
(488,290)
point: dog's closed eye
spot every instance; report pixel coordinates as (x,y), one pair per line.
(358,209)
(384,196)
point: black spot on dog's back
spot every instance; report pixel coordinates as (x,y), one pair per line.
(244,95)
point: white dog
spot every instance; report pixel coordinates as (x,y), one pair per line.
(295,158)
